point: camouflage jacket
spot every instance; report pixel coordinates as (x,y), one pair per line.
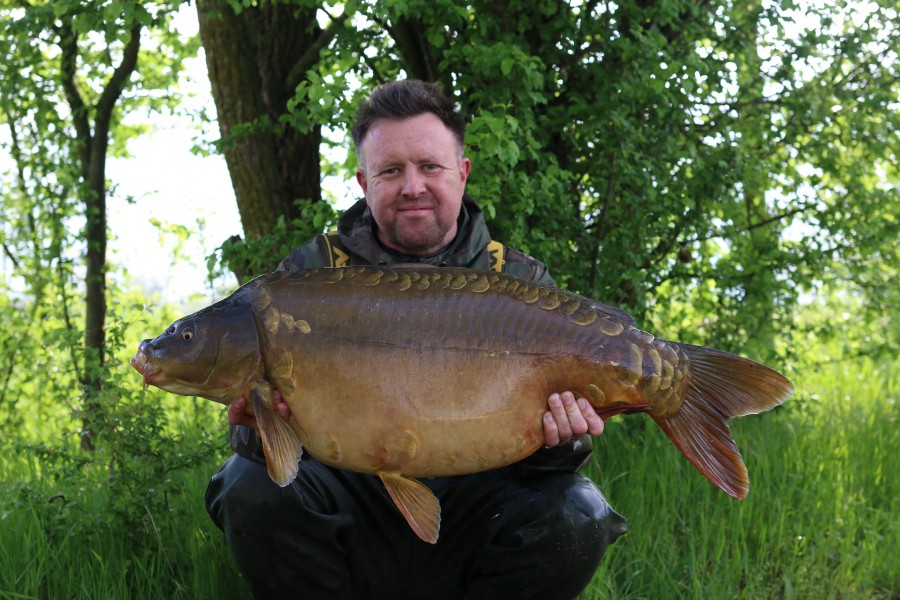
(354,243)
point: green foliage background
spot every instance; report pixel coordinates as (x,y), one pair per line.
(728,173)
(715,160)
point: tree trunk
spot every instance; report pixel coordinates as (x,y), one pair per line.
(92,150)
(253,60)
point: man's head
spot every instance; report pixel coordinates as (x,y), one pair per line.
(400,100)
(409,139)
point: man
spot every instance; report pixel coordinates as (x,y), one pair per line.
(533,529)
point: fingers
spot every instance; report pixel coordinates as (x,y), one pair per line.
(551,432)
(237,414)
(281,407)
(593,420)
(235,410)
(566,414)
(569,418)
(558,426)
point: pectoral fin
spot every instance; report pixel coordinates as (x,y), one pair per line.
(416,502)
(280,443)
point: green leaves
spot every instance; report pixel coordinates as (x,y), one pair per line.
(256,256)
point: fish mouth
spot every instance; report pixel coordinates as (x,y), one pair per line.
(148,370)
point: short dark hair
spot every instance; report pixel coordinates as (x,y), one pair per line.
(403,99)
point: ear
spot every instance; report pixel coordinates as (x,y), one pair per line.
(361,180)
(465,167)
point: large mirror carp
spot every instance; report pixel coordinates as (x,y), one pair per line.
(425,372)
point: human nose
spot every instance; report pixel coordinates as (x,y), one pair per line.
(413,183)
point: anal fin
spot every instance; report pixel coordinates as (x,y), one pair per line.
(419,506)
(281,444)
(608,412)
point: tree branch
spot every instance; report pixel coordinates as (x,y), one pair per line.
(68,45)
(781,216)
(778,217)
(16,149)
(665,244)
(311,56)
(9,254)
(113,91)
(414,49)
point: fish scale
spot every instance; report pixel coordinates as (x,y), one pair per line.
(421,372)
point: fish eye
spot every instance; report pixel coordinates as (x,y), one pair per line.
(187,334)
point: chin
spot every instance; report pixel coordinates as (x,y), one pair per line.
(425,242)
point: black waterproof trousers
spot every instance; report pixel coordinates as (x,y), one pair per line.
(509,533)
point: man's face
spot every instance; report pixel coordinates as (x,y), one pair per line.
(413,180)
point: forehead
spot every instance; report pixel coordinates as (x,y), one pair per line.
(415,138)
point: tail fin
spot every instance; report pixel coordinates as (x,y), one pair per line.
(722,386)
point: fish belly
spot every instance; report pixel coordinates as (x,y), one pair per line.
(426,413)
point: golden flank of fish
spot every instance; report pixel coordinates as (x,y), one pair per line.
(410,373)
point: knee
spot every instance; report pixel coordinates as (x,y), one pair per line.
(567,515)
(588,517)
(556,529)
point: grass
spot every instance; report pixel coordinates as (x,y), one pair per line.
(75,547)
(820,521)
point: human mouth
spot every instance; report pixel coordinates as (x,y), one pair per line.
(414,211)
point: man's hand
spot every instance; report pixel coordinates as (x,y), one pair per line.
(568,419)
(237,411)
